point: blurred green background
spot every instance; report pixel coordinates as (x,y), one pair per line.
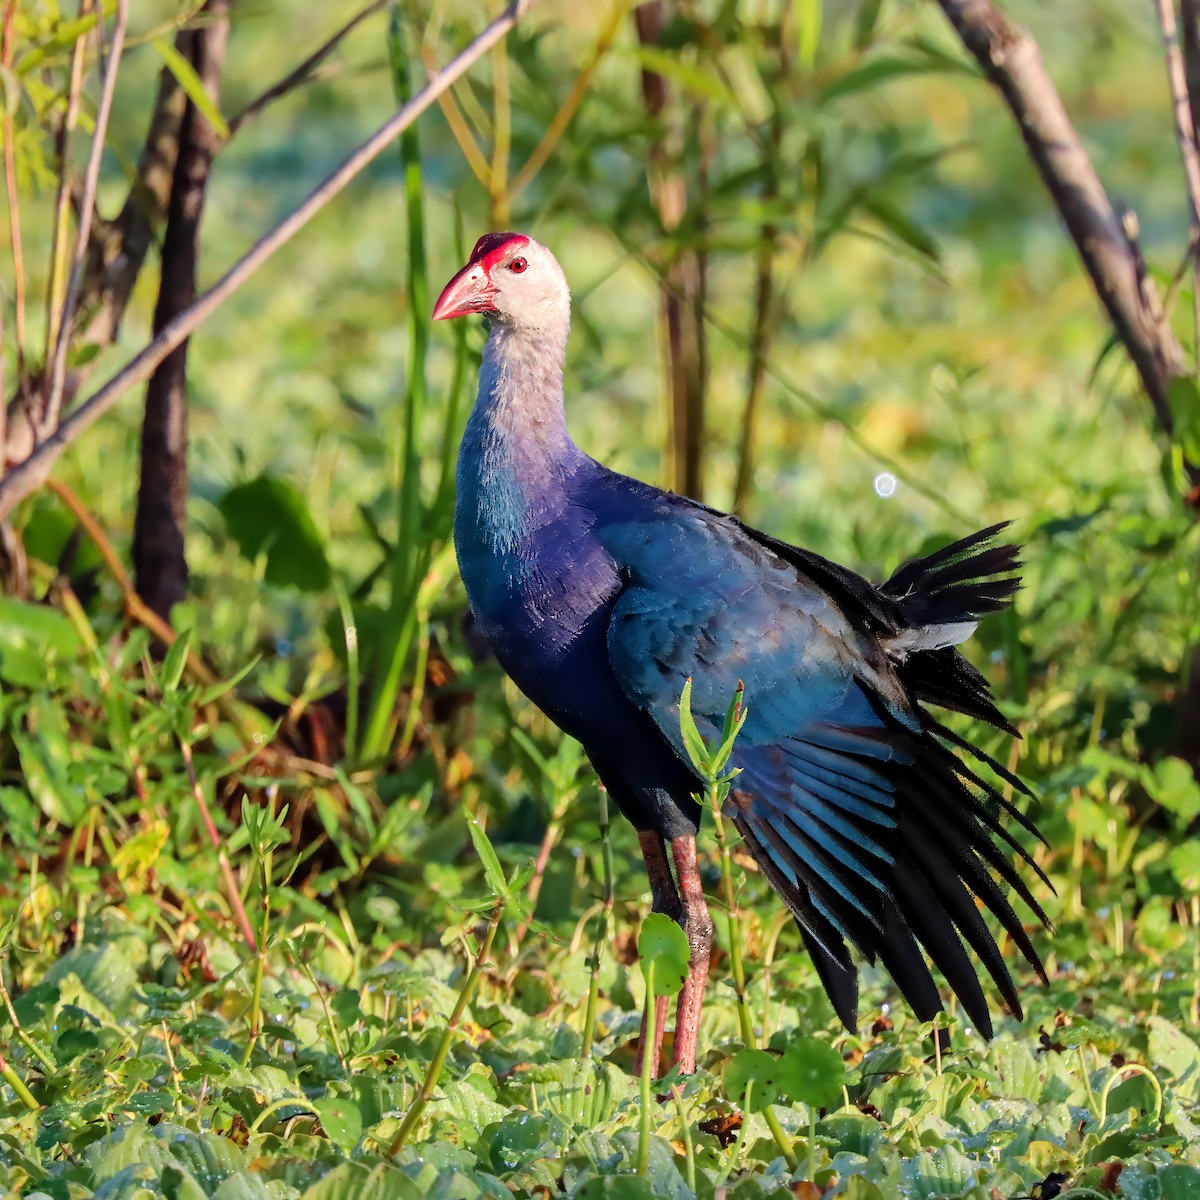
(937,362)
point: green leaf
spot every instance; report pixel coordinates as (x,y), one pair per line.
(37,626)
(812,1072)
(756,1067)
(175,662)
(1183,399)
(808,30)
(616,1187)
(341,1121)
(689,77)
(217,690)
(693,743)
(1174,786)
(902,227)
(489,859)
(663,945)
(268,515)
(186,77)
(1179,1182)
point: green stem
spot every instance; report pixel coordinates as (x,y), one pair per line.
(602,927)
(745,1021)
(781,1138)
(736,1150)
(689,1149)
(812,1143)
(439,1059)
(643,1157)
(17,1084)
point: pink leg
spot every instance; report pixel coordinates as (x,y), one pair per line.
(698,926)
(665,899)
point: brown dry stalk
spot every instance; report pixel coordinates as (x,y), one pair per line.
(570,106)
(1185,132)
(57,368)
(14,208)
(62,202)
(1105,241)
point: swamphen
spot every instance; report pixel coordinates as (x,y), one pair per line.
(601,596)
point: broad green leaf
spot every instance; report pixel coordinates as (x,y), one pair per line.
(37,626)
(268,515)
(663,944)
(354,1181)
(185,75)
(616,1187)
(755,1067)
(341,1121)
(812,1072)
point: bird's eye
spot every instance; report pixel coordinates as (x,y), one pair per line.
(517,265)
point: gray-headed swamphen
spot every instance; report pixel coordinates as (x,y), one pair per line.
(601,596)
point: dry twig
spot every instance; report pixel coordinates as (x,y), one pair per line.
(1185,132)
(26,477)
(87,206)
(1010,58)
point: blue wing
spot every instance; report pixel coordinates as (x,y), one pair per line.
(872,831)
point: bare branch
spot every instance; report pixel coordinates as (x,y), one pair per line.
(1013,64)
(1185,130)
(25,478)
(1189,11)
(62,203)
(160,564)
(14,210)
(304,72)
(57,370)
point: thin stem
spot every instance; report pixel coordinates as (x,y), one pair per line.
(745,1021)
(780,1137)
(439,1058)
(231,888)
(333,1029)
(14,206)
(1185,132)
(689,1149)
(62,203)
(471,153)
(48,1063)
(646,1098)
(570,106)
(83,232)
(602,928)
(304,72)
(502,135)
(735,1150)
(25,478)
(17,1084)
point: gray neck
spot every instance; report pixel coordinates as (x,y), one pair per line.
(518,419)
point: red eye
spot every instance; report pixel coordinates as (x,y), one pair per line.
(517,265)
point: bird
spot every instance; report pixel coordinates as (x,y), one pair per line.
(601,596)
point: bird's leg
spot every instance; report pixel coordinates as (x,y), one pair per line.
(664,899)
(698,926)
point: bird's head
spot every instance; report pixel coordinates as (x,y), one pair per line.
(513,280)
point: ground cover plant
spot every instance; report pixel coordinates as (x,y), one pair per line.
(298,897)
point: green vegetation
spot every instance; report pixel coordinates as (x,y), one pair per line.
(312,903)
